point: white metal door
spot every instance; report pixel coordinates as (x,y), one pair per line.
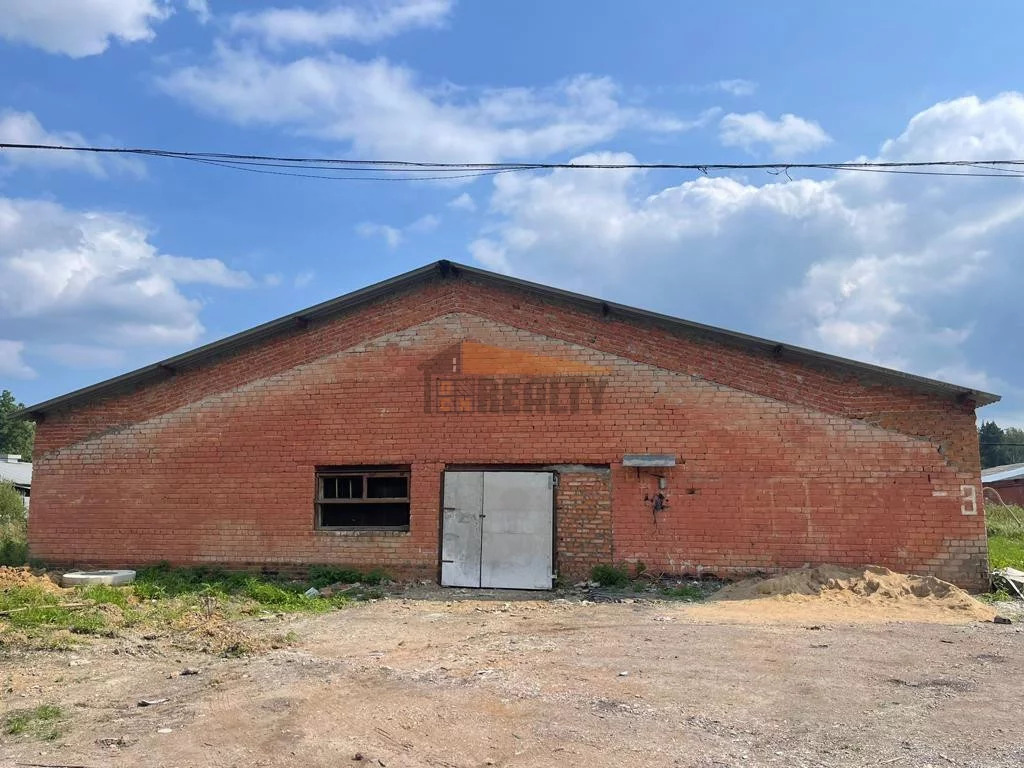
(517,530)
(461,532)
(497,530)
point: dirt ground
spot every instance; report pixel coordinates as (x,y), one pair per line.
(464,678)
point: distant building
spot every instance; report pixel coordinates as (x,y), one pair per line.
(17,472)
(1007,481)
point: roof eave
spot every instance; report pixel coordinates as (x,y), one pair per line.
(777,348)
(242,338)
(444,269)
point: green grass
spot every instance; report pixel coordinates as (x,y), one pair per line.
(610,575)
(13,541)
(1005,537)
(999,520)
(161,597)
(1004,551)
(248,590)
(617,578)
(684,592)
(322,575)
(13,527)
(998,596)
(34,607)
(42,722)
(13,549)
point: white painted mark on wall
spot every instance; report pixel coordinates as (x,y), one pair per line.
(969,499)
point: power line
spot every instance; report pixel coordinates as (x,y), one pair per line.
(408,170)
(242,167)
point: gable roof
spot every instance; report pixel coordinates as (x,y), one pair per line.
(450,270)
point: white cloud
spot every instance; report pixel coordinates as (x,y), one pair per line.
(364,22)
(304,278)
(786,137)
(25,128)
(395,236)
(490,254)
(965,128)
(463,202)
(182,269)
(74,281)
(383,110)
(735,87)
(424,224)
(201,9)
(392,235)
(80,28)
(913,272)
(83,355)
(11,362)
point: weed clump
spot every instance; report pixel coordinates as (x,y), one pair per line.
(324,575)
(13,527)
(1005,536)
(42,722)
(610,576)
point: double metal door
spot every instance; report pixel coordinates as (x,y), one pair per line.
(497,530)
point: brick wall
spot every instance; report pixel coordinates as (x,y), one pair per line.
(583,520)
(784,463)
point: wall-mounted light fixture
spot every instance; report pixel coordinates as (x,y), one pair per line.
(648,460)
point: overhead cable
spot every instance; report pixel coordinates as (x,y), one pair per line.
(415,170)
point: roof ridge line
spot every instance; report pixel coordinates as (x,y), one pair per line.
(446,269)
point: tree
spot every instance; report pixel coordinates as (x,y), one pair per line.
(13,527)
(12,508)
(16,435)
(993,452)
(1013,445)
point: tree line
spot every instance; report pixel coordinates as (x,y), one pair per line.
(16,435)
(1000,445)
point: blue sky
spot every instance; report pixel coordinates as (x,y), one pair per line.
(107,264)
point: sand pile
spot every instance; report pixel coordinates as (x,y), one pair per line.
(23,577)
(861,587)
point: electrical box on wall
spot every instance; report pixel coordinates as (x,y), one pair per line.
(648,460)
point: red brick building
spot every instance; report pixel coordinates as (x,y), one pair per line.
(456,424)
(1007,481)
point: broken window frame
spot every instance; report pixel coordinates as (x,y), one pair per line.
(365,474)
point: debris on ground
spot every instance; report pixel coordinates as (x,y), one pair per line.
(353,588)
(870,586)
(120,741)
(24,577)
(1011,578)
(523,676)
(213,633)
